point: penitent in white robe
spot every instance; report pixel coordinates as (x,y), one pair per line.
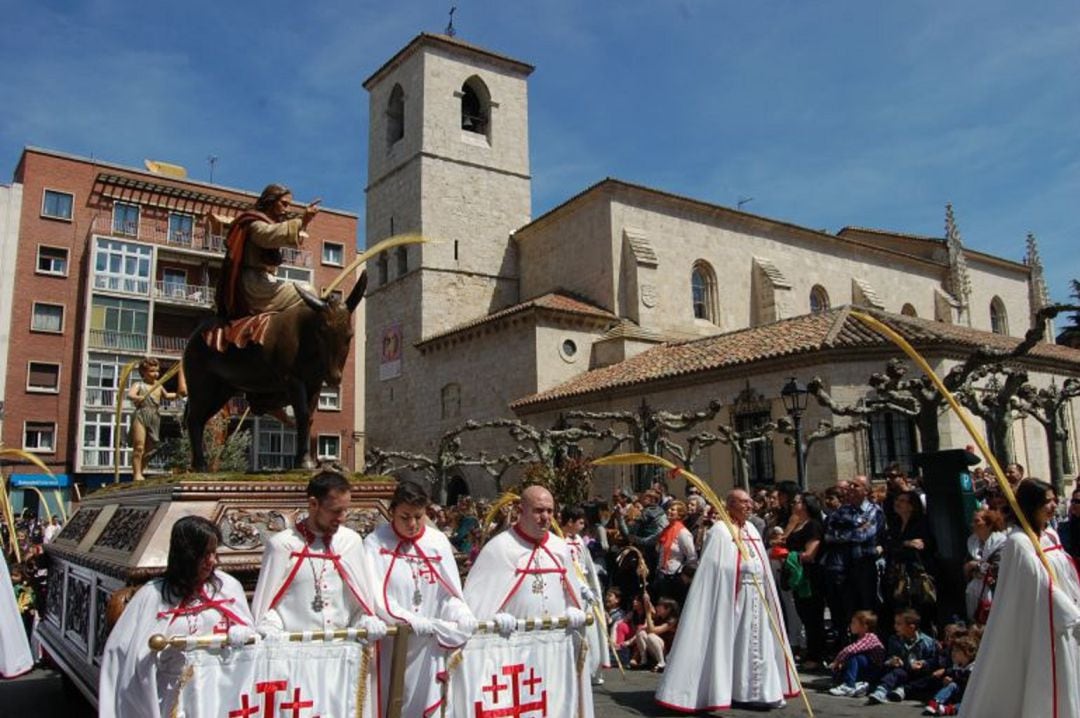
(418,577)
(726,649)
(597,633)
(15,657)
(528,579)
(136,682)
(1029,658)
(309,583)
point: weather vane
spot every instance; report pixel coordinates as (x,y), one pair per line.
(450,31)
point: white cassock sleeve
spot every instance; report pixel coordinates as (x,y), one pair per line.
(127,685)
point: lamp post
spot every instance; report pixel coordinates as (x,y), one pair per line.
(795,397)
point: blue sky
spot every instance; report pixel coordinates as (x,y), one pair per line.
(826,113)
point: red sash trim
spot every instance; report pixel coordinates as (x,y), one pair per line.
(328,555)
(526,571)
(429,561)
(208,603)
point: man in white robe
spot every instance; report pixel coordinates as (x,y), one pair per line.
(727,649)
(15,657)
(316,575)
(137,682)
(1028,662)
(419,585)
(527,572)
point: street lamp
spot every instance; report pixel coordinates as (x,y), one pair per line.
(795,398)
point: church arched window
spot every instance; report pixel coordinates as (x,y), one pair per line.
(401,259)
(908,310)
(383,268)
(819,299)
(395,115)
(475,106)
(703,288)
(999,320)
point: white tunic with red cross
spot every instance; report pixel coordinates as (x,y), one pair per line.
(526,578)
(313,582)
(136,681)
(418,577)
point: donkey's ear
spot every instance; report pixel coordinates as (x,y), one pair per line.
(357,293)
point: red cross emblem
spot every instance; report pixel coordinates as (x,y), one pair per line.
(535,708)
(269,709)
(426,571)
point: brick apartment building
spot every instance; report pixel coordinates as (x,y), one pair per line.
(104,264)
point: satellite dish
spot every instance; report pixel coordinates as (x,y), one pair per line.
(166,169)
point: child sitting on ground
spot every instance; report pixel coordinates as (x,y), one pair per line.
(946,702)
(620,632)
(910,659)
(653,640)
(860,661)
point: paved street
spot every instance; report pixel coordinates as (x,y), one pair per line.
(42,694)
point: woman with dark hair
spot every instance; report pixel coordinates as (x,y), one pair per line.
(908,565)
(418,586)
(1029,658)
(248,284)
(803,540)
(192,598)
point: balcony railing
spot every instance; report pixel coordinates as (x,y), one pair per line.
(117,341)
(296,257)
(101,398)
(172,406)
(103,458)
(168,345)
(197,295)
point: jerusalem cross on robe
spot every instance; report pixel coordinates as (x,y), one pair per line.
(535,708)
(269,708)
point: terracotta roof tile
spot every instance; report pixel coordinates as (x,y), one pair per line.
(553,301)
(834,329)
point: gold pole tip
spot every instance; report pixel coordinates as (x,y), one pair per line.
(158,642)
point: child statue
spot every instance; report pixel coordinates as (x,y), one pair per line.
(146,421)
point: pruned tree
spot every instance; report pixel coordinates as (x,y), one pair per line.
(994,401)
(1046,406)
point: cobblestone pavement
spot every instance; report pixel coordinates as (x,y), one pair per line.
(633,696)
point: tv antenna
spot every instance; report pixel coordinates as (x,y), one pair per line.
(212,159)
(743,200)
(450,31)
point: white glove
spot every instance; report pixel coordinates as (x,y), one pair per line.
(273,634)
(375,629)
(421,626)
(589,596)
(505,624)
(458,612)
(239,635)
(575,618)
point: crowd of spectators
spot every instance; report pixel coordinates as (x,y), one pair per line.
(28,565)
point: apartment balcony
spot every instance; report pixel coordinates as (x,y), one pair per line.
(101,398)
(101,459)
(171,346)
(122,284)
(296,257)
(189,295)
(117,341)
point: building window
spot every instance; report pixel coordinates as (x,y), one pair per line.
(39,436)
(275,445)
(294,274)
(892,440)
(908,310)
(122,266)
(181,229)
(330,398)
(43,377)
(475,106)
(47,318)
(102,377)
(52,260)
(329,448)
(703,286)
(759,454)
(333,254)
(999,320)
(451,401)
(383,268)
(174,282)
(819,299)
(97,441)
(119,324)
(57,205)
(401,259)
(126,219)
(395,115)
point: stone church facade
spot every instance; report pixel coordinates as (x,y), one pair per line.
(626,293)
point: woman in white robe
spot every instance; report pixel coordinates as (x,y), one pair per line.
(15,657)
(191,599)
(1029,658)
(418,585)
(572,520)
